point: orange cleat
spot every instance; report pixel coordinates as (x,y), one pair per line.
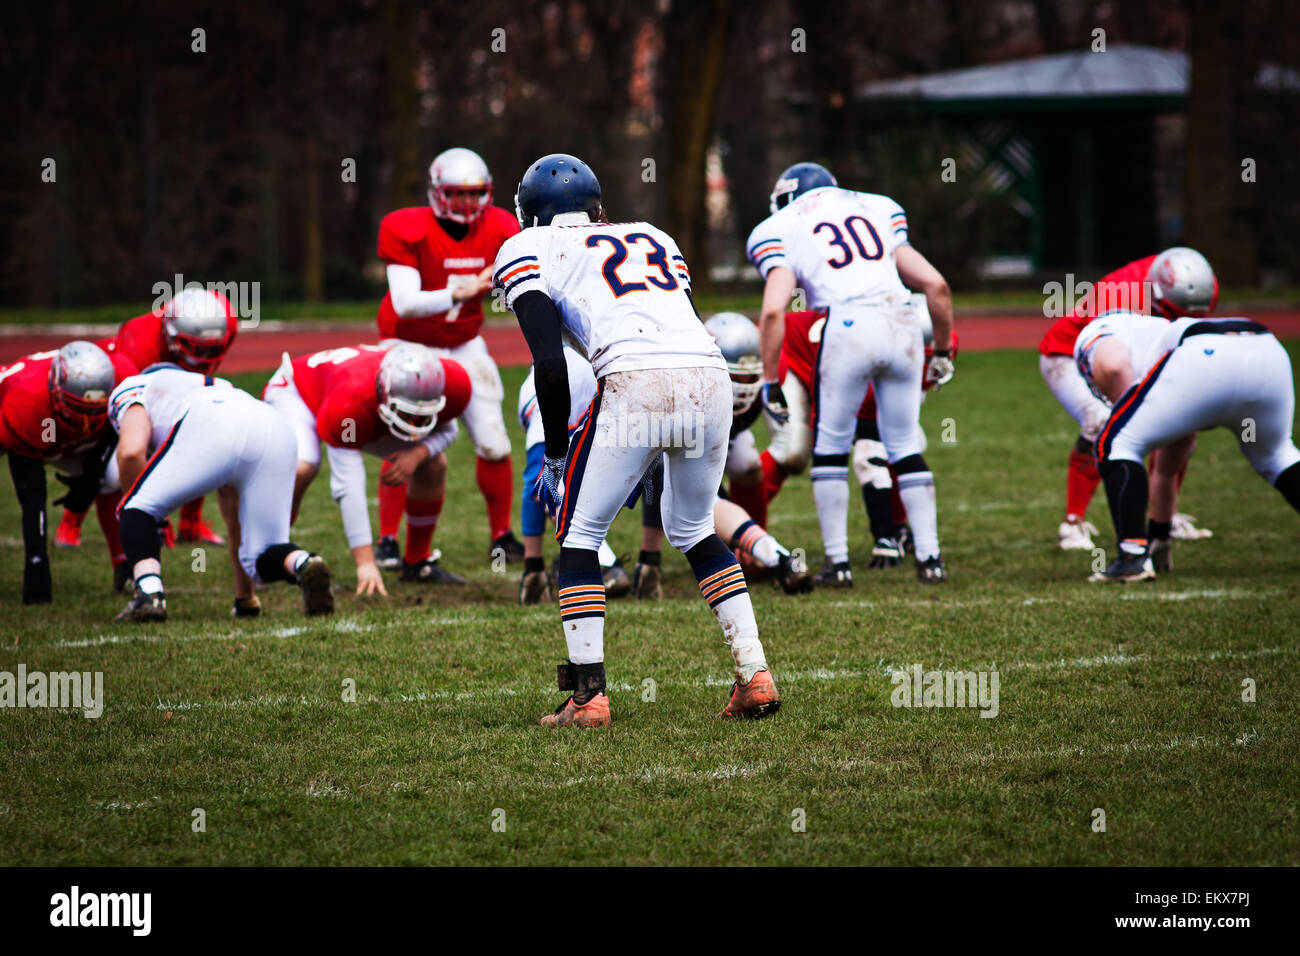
(68,533)
(756,699)
(594,713)
(199,531)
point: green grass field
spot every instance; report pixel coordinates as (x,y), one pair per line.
(1127,699)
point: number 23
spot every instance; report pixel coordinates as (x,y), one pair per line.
(616,258)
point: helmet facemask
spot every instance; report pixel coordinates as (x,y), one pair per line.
(746,380)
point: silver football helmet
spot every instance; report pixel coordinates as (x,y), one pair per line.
(460,186)
(81,378)
(199,325)
(737,338)
(1182,283)
(410,388)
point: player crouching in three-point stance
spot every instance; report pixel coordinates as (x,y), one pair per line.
(622,293)
(399,403)
(184,434)
(1166,381)
(849,252)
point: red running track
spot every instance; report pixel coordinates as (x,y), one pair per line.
(257,351)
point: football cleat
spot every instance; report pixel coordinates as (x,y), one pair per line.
(1075,535)
(199,531)
(886,553)
(647,582)
(594,713)
(931,570)
(617,583)
(314,582)
(68,533)
(122,577)
(835,575)
(534,588)
(1127,567)
(1162,555)
(903,535)
(144,607)
(387,555)
(509,545)
(428,571)
(246,607)
(756,699)
(791,579)
(1183,528)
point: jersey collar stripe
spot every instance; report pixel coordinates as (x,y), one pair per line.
(514,262)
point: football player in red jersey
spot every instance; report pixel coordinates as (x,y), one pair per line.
(399,402)
(194,329)
(54,408)
(439,262)
(1178,282)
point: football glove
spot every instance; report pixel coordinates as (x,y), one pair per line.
(81,493)
(940,370)
(774,402)
(645,488)
(549,490)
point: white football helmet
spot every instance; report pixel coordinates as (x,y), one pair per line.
(460,186)
(81,378)
(737,339)
(1182,283)
(410,388)
(200,326)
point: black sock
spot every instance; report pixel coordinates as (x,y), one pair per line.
(649,557)
(1127,492)
(1289,484)
(532,565)
(1158,530)
(880,511)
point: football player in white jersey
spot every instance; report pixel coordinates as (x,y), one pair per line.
(621,293)
(184,434)
(848,251)
(1166,381)
(534,584)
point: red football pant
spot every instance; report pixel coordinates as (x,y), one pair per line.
(106,511)
(753,498)
(773,477)
(392,502)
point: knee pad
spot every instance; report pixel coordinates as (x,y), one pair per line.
(1092,426)
(577,561)
(870,464)
(491,443)
(910,465)
(270,563)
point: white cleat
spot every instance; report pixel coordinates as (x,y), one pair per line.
(1182,528)
(1075,535)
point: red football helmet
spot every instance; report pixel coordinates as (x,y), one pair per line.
(81,378)
(460,186)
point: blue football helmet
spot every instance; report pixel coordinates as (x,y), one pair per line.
(555,184)
(797,180)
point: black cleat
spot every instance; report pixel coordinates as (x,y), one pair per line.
(247,607)
(617,583)
(1162,555)
(886,553)
(534,588)
(314,582)
(647,582)
(1127,567)
(931,571)
(903,535)
(144,607)
(835,575)
(387,555)
(428,571)
(509,545)
(793,577)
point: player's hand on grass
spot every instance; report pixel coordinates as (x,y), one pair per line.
(370,581)
(940,370)
(404,464)
(774,402)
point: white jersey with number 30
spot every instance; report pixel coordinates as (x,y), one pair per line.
(621,290)
(840,245)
